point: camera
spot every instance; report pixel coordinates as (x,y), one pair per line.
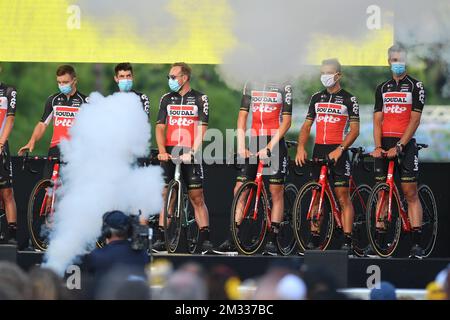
(139,234)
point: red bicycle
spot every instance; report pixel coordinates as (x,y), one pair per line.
(316,209)
(251,215)
(387,215)
(41,204)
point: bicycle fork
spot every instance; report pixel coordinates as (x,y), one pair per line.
(54,179)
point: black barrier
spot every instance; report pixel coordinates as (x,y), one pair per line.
(218,187)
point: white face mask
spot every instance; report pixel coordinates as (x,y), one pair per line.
(328,80)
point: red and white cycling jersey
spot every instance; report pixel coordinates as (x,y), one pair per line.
(268,102)
(397,101)
(63,111)
(332,113)
(182,115)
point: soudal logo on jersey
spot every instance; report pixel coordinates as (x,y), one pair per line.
(182,110)
(331,109)
(64,116)
(266,97)
(397,98)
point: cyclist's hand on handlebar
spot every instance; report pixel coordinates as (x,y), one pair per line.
(300,157)
(244,153)
(262,154)
(378,153)
(391,153)
(335,155)
(163,156)
(28,147)
(186,157)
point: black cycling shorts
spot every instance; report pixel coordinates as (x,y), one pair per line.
(340,172)
(409,167)
(278,168)
(6,175)
(191,173)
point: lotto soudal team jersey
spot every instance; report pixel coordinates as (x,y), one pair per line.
(183,115)
(332,112)
(268,103)
(63,111)
(8,96)
(397,101)
(144,100)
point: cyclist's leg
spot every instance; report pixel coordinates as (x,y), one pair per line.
(408,175)
(193,176)
(169,171)
(7,193)
(341,178)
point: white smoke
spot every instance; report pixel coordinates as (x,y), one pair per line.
(101,174)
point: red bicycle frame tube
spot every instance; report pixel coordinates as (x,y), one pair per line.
(54,179)
(325,187)
(393,188)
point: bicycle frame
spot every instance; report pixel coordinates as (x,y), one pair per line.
(325,187)
(260,184)
(406,225)
(54,179)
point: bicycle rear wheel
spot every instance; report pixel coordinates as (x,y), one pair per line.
(303,223)
(286,239)
(429,220)
(173,208)
(39,215)
(360,198)
(385,238)
(247,228)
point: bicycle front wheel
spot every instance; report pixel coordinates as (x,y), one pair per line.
(40,215)
(429,220)
(286,239)
(306,219)
(383,233)
(192,231)
(173,208)
(249,217)
(360,198)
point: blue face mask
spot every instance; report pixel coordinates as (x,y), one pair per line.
(174,85)
(65,89)
(398,68)
(125,84)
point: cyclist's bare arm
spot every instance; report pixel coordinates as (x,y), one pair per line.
(411,128)
(199,137)
(38,132)
(352,134)
(160,132)
(7,129)
(284,127)
(241,127)
(303,136)
(377,121)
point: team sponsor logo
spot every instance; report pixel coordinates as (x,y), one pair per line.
(264,108)
(396,109)
(328,119)
(329,110)
(183,122)
(12,103)
(64,116)
(395,100)
(421,92)
(205,104)
(416,163)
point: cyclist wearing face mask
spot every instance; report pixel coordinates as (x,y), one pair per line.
(62,107)
(334,110)
(124,79)
(398,108)
(180,128)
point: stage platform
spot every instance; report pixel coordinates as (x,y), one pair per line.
(402,272)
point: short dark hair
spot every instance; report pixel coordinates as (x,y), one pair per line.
(334,62)
(66,69)
(396,48)
(185,69)
(124,66)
